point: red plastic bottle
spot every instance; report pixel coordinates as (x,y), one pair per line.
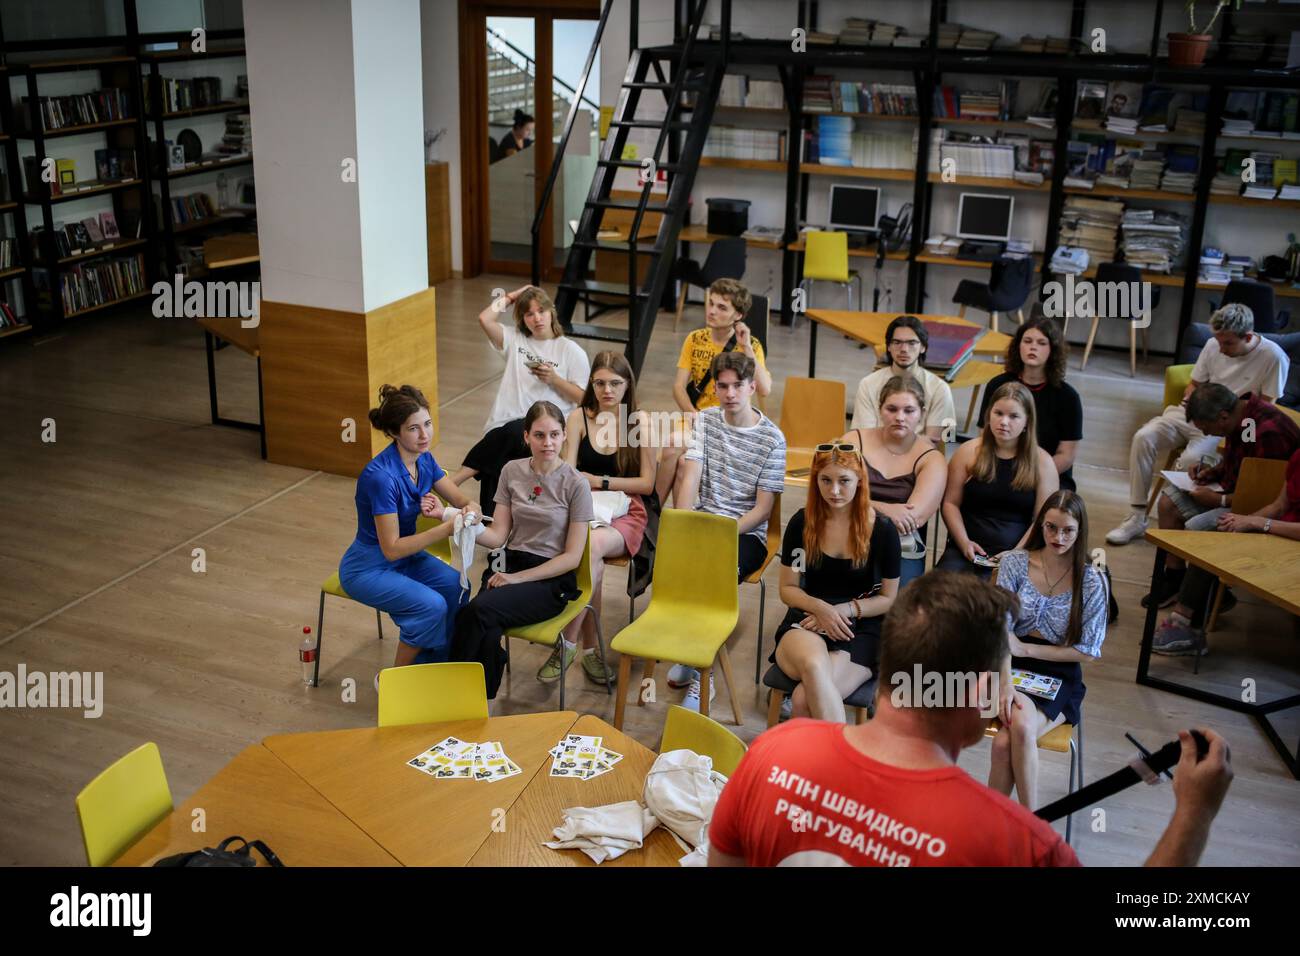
(307,655)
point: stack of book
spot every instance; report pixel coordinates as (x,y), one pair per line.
(765,94)
(732,91)
(835,140)
(1174,181)
(972,39)
(1031,44)
(884,34)
(950,346)
(890,99)
(1189,121)
(949,34)
(1213,267)
(979,104)
(982,159)
(8,317)
(877,150)
(1153,239)
(238,140)
(1180,176)
(1147,170)
(942,245)
(1125,125)
(856,32)
(1289,191)
(910,40)
(731,142)
(1092,224)
(193,207)
(1237,127)
(1226,183)
(817,95)
(1069,260)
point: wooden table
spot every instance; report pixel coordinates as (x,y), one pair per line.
(245,339)
(869,327)
(1264,565)
(257,796)
(347,798)
(236,249)
(532,819)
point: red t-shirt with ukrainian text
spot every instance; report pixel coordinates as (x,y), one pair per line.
(804,796)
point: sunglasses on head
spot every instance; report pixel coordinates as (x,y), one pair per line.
(827,448)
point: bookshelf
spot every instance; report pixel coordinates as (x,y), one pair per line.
(70,66)
(930,67)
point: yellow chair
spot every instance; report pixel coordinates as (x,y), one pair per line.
(548,632)
(694,606)
(686,730)
(826,257)
(431,693)
(773,549)
(1259,483)
(1177,378)
(1062,738)
(812,411)
(439,549)
(122,804)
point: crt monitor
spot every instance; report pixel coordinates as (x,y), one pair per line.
(854,208)
(984,216)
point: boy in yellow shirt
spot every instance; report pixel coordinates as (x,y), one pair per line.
(726,304)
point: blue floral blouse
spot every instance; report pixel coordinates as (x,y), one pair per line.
(1050,616)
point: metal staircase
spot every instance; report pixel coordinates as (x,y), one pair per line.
(682,130)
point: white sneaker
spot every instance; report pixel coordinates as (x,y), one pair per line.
(679,675)
(692,699)
(376,683)
(1134,526)
(787,708)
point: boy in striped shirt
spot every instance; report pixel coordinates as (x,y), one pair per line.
(735,466)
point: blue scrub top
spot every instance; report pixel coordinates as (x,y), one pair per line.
(385,488)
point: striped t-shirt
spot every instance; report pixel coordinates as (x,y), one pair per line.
(738,463)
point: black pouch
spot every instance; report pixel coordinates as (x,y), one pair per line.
(694,390)
(220,856)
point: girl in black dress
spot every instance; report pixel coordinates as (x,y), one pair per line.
(996,484)
(839,575)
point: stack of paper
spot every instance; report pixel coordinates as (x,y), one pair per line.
(461,760)
(581,758)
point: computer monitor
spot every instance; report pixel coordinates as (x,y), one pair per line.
(854,208)
(984,216)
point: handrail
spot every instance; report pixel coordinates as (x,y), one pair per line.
(564,142)
(530,68)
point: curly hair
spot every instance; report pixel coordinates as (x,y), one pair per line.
(1056,360)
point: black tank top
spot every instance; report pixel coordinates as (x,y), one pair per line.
(592,461)
(891,491)
(995,514)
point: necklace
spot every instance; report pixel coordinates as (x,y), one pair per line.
(897,454)
(1051,588)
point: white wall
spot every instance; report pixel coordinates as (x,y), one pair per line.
(440,53)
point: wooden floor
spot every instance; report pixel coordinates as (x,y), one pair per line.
(97,531)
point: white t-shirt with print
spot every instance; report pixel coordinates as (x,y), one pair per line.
(1262,370)
(520,387)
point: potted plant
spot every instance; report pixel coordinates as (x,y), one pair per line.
(1189,49)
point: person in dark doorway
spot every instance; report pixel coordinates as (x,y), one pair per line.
(520,135)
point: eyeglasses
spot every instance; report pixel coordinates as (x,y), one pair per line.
(907,343)
(831,447)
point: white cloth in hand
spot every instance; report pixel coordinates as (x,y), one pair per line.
(604,833)
(466,529)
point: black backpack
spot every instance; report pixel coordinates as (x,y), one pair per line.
(220,856)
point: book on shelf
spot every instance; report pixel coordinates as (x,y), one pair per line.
(90,284)
(8,253)
(108,226)
(8,317)
(115,164)
(80,109)
(181,94)
(1091,102)
(91,226)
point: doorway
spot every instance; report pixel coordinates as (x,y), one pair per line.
(521,67)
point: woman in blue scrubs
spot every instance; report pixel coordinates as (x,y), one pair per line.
(387,566)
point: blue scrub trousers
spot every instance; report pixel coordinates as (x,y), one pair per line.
(420,592)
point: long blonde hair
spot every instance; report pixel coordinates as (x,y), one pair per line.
(985,468)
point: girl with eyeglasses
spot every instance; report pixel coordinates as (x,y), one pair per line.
(906,471)
(839,576)
(1060,626)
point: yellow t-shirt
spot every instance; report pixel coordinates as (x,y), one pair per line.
(698,353)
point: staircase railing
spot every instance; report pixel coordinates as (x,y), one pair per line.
(564,143)
(529,68)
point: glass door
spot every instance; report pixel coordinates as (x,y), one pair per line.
(511,128)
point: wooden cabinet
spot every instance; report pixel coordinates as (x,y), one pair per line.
(437,212)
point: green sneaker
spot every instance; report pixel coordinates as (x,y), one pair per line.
(550,671)
(595,669)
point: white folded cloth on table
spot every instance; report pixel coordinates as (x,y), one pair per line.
(604,833)
(608,505)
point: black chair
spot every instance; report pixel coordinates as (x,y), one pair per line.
(726,260)
(757,319)
(1258,297)
(1007,290)
(862,700)
(1119,272)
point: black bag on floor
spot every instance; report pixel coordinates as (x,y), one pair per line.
(220,856)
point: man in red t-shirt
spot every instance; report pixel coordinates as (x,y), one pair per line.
(890,793)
